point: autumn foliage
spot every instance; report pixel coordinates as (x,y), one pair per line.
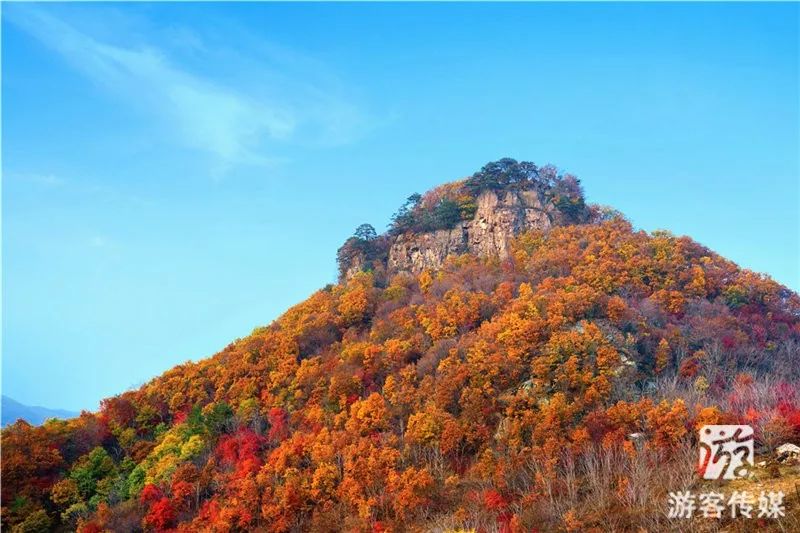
(458,398)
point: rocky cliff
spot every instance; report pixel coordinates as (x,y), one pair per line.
(500,215)
(478,215)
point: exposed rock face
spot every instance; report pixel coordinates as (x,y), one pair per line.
(356,265)
(788,453)
(503,199)
(499,217)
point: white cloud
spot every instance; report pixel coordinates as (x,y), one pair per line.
(233,124)
(45,180)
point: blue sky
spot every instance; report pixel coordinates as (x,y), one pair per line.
(175,175)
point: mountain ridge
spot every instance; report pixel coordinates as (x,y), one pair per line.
(33,414)
(466,396)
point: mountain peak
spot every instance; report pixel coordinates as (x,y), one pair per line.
(13,410)
(414,403)
(477,215)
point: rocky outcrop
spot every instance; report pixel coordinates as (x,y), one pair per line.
(499,217)
(788,453)
(357,263)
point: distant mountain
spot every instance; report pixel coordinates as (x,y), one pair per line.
(13,410)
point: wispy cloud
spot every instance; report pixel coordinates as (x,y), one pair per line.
(234,124)
(44,180)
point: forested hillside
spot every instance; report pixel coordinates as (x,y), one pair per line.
(492,394)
